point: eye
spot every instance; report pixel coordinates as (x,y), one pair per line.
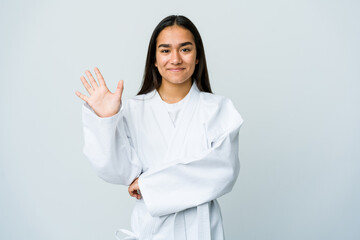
(164,51)
(186,49)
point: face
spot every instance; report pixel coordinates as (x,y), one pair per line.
(175,54)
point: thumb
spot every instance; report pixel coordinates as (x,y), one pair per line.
(120,88)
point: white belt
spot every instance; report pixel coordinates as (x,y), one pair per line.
(204,230)
(131,235)
(203,222)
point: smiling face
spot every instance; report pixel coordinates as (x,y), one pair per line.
(175,55)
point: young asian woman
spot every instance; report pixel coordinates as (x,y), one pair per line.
(175,144)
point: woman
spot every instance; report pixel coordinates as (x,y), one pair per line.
(175,144)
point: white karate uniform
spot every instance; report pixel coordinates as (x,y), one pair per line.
(185,155)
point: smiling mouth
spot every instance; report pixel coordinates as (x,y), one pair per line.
(176,69)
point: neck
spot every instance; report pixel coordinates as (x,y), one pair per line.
(173,93)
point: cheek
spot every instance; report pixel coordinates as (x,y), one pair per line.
(161,61)
(192,61)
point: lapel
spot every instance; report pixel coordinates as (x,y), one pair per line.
(163,120)
(175,137)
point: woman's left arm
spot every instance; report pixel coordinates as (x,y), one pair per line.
(193,181)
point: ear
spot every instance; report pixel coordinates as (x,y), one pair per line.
(155,64)
(197,61)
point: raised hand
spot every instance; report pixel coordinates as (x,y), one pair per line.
(101,100)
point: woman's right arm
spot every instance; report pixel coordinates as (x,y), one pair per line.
(107,143)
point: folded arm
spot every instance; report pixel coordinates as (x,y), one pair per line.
(192,181)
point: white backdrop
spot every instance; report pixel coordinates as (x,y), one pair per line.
(290,67)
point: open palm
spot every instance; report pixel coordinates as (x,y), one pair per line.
(101,100)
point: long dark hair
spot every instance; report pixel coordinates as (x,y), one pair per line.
(152,77)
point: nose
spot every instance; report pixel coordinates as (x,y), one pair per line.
(176,58)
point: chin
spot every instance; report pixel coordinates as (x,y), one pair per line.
(179,81)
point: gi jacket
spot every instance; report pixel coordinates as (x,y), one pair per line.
(182,169)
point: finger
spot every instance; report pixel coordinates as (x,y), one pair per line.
(92,80)
(131,191)
(82,96)
(131,194)
(134,194)
(99,77)
(139,194)
(86,85)
(120,87)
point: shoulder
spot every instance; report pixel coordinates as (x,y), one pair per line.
(221,114)
(216,104)
(212,99)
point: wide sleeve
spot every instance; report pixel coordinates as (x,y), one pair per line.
(195,180)
(108,146)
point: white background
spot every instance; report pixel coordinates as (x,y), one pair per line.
(290,67)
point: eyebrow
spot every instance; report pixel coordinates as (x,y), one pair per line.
(181,44)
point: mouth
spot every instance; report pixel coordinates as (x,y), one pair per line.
(175,69)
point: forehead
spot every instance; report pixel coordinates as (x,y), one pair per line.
(174,35)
